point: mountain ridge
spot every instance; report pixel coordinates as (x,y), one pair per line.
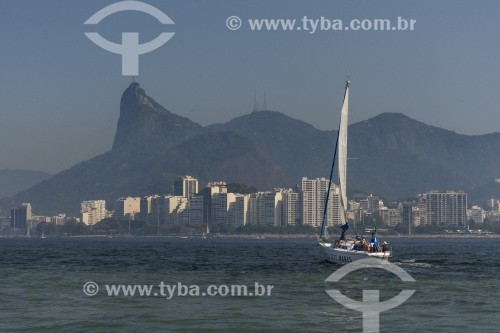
(390,154)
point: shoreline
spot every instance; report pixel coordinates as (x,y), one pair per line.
(257,236)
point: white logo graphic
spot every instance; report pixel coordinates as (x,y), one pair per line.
(130,49)
(371,305)
(233,23)
(90,288)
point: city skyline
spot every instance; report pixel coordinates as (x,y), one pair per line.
(301,205)
(62,90)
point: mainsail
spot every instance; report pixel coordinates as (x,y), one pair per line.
(342,151)
(341,147)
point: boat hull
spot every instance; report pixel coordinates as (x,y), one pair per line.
(344,256)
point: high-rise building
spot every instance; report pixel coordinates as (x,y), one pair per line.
(446,208)
(93,211)
(420,212)
(186,186)
(290,212)
(416,218)
(253,209)
(265,208)
(20,215)
(494,216)
(406,213)
(238,211)
(211,189)
(60,219)
(156,213)
(176,205)
(477,214)
(168,209)
(312,202)
(370,204)
(390,216)
(145,209)
(272,208)
(195,208)
(220,207)
(127,208)
(490,204)
(493,204)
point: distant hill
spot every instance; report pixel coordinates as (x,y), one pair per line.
(390,154)
(14,181)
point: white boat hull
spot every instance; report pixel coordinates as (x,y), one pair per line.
(339,255)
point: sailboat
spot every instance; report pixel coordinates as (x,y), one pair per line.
(206,234)
(342,251)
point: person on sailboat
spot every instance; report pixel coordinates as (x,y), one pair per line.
(374,242)
(365,246)
(344,228)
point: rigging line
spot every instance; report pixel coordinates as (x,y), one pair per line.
(329,186)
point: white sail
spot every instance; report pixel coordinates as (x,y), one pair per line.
(342,152)
(341,156)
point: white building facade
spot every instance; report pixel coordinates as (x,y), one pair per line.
(93,211)
(312,202)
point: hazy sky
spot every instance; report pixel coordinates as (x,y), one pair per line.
(60,93)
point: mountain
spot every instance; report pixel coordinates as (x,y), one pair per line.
(14,181)
(225,156)
(299,147)
(391,155)
(152,147)
(410,157)
(146,125)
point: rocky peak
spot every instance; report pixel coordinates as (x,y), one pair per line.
(134,98)
(145,124)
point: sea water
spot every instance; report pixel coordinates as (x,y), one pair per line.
(41,286)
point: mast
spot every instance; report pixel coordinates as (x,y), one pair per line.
(341,148)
